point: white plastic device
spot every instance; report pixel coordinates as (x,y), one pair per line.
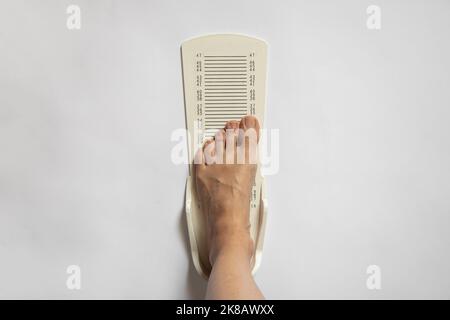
(224,78)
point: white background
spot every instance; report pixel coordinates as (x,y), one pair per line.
(86,176)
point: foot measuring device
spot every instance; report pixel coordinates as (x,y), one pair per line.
(224,78)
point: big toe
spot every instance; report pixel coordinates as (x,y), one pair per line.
(249,137)
(250,123)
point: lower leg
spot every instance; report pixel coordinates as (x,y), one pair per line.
(231,276)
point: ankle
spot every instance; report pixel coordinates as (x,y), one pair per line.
(233,244)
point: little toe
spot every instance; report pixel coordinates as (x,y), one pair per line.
(209,151)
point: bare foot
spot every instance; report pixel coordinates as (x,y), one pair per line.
(224,174)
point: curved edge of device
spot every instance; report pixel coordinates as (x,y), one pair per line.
(191,230)
(201,37)
(263,207)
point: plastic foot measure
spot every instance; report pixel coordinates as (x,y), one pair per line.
(224,78)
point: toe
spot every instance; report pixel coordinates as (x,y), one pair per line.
(232,127)
(248,138)
(250,123)
(199,158)
(209,151)
(231,142)
(232,124)
(220,141)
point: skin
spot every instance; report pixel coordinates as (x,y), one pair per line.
(224,172)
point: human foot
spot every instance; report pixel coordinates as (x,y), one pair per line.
(225,171)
